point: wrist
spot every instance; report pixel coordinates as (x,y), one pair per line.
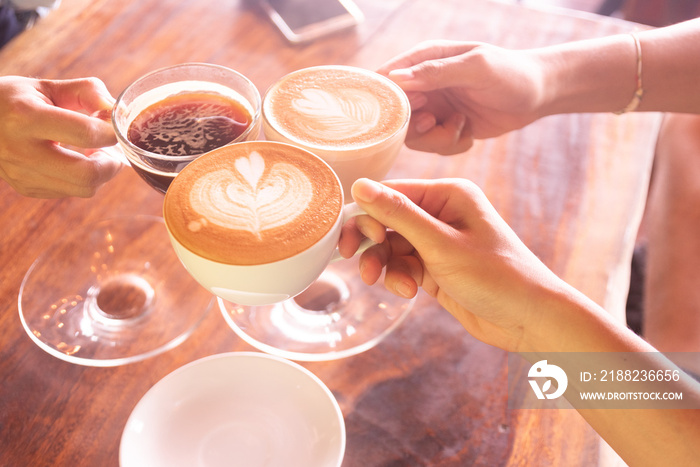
(568,321)
(596,75)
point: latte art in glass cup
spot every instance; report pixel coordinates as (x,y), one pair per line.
(256,222)
(354,119)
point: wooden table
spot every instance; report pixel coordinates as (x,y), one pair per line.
(572,186)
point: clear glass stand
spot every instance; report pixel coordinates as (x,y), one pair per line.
(110,294)
(336,317)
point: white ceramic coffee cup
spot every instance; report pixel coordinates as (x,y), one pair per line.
(353,161)
(268,283)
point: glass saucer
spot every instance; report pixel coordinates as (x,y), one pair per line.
(110,294)
(336,317)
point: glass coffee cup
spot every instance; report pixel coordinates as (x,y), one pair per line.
(167,118)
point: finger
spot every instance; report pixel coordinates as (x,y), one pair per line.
(87,95)
(393,209)
(37,185)
(82,173)
(417,100)
(62,113)
(372,262)
(429,50)
(463,68)
(71,128)
(420,124)
(357,229)
(94,169)
(429,75)
(444,205)
(404,274)
(427,212)
(453,136)
(375,258)
(371,228)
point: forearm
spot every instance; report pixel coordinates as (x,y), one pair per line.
(566,320)
(641,436)
(599,75)
(671,75)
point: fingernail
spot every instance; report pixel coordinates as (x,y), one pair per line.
(107,101)
(424,122)
(461,121)
(404,289)
(366,190)
(403,74)
(417,100)
(104,114)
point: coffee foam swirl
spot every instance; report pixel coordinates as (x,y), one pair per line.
(335,107)
(253,203)
(243,199)
(341,115)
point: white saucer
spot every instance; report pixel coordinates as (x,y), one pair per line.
(243,409)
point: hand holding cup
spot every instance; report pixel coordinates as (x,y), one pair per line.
(256,222)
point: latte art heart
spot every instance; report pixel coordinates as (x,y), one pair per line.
(255,202)
(250,197)
(340,115)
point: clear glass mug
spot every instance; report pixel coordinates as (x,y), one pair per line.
(159,170)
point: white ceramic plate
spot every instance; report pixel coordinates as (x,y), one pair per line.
(236,409)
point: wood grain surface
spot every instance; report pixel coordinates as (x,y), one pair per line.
(572,187)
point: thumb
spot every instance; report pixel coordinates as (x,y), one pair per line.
(396,211)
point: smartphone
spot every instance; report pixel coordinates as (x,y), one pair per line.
(302,21)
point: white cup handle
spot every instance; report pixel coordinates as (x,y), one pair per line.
(349,211)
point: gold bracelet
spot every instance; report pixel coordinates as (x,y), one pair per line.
(637,98)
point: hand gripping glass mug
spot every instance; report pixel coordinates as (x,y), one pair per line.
(356,121)
(110,302)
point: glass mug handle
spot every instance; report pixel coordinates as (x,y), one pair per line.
(349,211)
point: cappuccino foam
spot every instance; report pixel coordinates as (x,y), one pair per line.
(336,107)
(252,203)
